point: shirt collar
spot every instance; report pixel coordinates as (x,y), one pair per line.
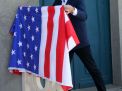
(64,1)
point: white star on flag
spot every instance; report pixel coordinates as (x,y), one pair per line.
(19,62)
(34,67)
(28,27)
(28,9)
(24,54)
(32,38)
(20,43)
(37,29)
(36,10)
(25,17)
(27,46)
(15,33)
(12,52)
(20,26)
(24,36)
(33,19)
(21,7)
(36,48)
(28,64)
(16,15)
(31,56)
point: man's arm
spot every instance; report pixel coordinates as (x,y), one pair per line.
(81,12)
(78,10)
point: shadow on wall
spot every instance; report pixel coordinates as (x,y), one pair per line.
(46,2)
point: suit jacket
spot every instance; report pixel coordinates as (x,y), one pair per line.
(78,21)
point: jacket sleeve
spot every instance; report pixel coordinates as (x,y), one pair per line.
(81,12)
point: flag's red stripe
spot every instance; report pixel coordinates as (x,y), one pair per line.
(17,72)
(60,46)
(50,24)
(72,33)
(66,88)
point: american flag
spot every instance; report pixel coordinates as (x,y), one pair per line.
(42,39)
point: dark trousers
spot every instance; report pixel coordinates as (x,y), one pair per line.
(86,57)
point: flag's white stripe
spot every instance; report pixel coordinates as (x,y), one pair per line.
(43,40)
(67,78)
(71,43)
(66,17)
(54,44)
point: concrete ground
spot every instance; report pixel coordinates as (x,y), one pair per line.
(109,88)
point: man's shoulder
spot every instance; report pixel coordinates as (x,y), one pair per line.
(76,1)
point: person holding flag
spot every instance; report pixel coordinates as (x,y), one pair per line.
(77,14)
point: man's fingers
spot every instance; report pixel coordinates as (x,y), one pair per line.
(67,11)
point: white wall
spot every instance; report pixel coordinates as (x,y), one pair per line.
(9,82)
(116,40)
(120,27)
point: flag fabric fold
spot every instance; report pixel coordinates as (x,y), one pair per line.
(42,39)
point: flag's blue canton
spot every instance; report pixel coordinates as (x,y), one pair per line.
(26,39)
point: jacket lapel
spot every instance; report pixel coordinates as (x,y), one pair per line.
(67,1)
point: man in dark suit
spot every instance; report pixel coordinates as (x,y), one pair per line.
(77,14)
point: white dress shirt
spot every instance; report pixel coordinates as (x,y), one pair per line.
(75,12)
(64,2)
